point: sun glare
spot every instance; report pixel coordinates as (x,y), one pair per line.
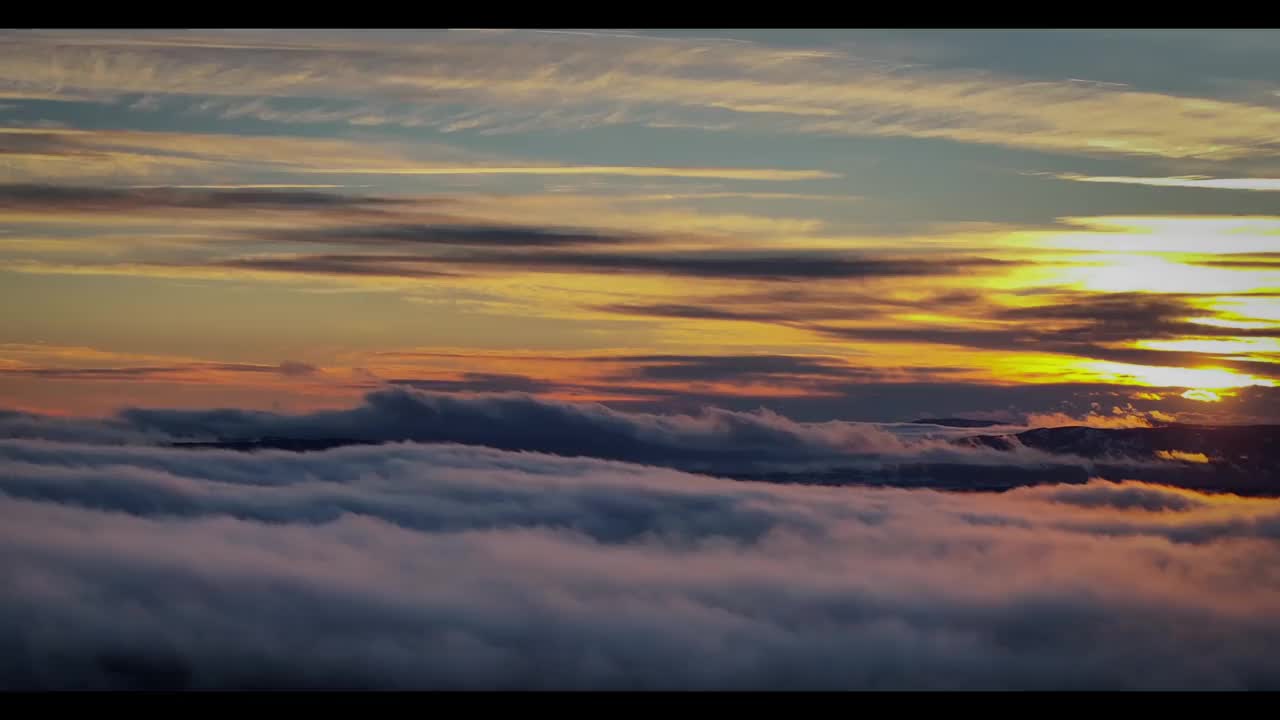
(1207,378)
(1230,346)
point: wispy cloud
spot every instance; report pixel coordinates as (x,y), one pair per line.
(153,372)
(90,199)
(259,186)
(1255,184)
(532,79)
(721,173)
(29,154)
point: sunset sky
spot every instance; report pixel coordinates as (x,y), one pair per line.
(834,224)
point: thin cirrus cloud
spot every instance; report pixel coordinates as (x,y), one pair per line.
(251,186)
(1208,183)
(626,171)
(528,80)
(59,154)
(152,372)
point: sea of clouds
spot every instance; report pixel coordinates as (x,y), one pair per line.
(125,563)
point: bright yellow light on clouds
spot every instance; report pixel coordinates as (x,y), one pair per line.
(1168,234)
(1254,308)
(1202,395)
(1188,181)
(1151,254)
(1179,455)
(1232,324)
(1150,273)
(1191,378)
(1217,347)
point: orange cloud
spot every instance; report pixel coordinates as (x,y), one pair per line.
(1179,455)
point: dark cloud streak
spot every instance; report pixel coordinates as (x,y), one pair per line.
(69,198)
(474,235)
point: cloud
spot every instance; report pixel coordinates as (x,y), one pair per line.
(1182,456)
(754,445)
(794,306)
(58,153)
(1098,326)
(1255,184)
(251,186)
(679,383)
(473,235)
(297,369)
(734,367)
(197,159)
(514,81)
(1124,496)
(403,266)
(733,264)
(1120,419)
(83,199)
(445,567)
(626,171)
(768,266)
(1064,321)
(18,424)
(712,439)
(1247,261)
(481,382)
(692,312)
(153,372)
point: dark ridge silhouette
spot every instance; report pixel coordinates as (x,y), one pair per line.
(959,422)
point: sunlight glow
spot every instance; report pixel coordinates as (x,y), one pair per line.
(1217,347)
(1199,458)
(1253,308)
(1192,378)
(1233,324)
(1125,272)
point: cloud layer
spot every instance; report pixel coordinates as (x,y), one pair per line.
(429,566)
(714,439)
(746,445)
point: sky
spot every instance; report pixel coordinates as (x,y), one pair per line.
(832,224)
